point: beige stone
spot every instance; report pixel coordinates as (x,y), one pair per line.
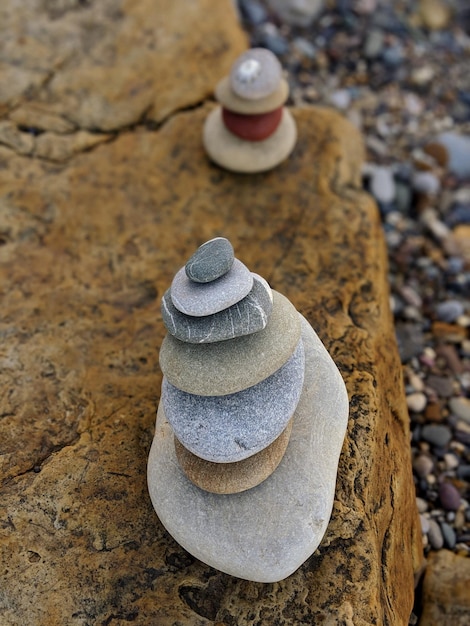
(446,598)
(227,98)
(111,64)
(227,478)
(249,157)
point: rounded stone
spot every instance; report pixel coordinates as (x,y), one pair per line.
(248,316)
(230,428)
(252,127)
(233,477)
(229,100)
(255,74)
(449,496)
(265,533)
(236,154)
(199,299)
(217,369)
(210,261)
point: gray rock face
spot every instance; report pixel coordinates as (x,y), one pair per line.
(263,534)
(199,299)
(210,261)
(226,429)
(217,369)
(255,74)
(250,315)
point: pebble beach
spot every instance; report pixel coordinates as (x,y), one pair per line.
(399,71)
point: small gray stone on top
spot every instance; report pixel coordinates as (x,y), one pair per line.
(223,367)
(210,261)
(255,74)
(199,299)
(248,316)
(226,429)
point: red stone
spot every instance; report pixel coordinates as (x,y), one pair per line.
(252,127)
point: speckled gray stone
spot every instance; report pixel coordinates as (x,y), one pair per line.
(199,299)
(250,315)
(226,429)
(263,534)
(210,261)
(255,74)
(217,369)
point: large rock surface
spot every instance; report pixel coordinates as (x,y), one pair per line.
(446,585)
(88,246)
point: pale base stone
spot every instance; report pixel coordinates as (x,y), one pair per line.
(233,477)
(239,155)
(263,534)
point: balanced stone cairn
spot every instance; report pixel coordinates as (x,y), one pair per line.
(251,131)
(250,424)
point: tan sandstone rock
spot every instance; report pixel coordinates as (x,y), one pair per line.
(110,64)
(446,597)
(88,249)
(88,245)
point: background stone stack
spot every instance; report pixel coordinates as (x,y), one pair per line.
(234,394)
(252,131)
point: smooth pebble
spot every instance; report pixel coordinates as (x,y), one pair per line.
(248,316)
(382,184)
(436,434)
(230,428)
(255,74)
(210,261)
(449,310)
(229,366)
(449,496)
(435,535)
(416,401)
(201,299)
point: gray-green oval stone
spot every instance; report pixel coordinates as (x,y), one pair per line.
(210,261)
(216,369)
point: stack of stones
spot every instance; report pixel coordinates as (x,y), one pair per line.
(250,425)
(251,131)
(233,365)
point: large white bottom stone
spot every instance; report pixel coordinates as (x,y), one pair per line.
(263,534)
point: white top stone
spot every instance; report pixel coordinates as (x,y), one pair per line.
(255,74)
(263,534)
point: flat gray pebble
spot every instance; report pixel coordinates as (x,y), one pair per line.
(200,299)
(448,533)
(436,434)
(223,367)
(248,316)
(449,310)
(210,261)
(226,429)
(435,535)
